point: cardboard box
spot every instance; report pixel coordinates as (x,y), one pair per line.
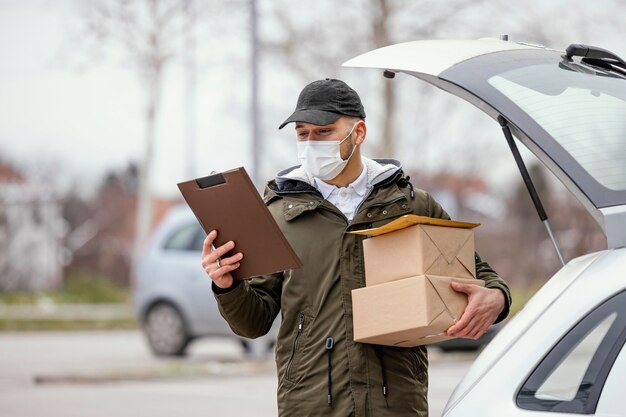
(409,312)
(416,245)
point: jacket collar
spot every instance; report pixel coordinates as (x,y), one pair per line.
(296,179)
(360,185)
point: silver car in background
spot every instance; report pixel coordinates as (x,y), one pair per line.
(172,293)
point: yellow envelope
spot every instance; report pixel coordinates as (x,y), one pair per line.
(411,220)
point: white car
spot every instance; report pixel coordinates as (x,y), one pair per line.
(172,293)
(563,354)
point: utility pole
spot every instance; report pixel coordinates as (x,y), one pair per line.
(190,92)
(257,148)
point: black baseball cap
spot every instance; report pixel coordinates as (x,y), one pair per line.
(323,101)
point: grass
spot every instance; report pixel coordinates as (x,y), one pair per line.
(66,324)
(80,288)
(83,288)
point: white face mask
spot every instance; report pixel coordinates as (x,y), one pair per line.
(322,158)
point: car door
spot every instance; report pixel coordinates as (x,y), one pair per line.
(199,291)
(584,372)
(179,264)
(612,401)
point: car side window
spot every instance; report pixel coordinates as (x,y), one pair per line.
(183,238)
(198,240)
(570,378)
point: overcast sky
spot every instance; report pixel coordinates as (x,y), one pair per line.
(86,116)
(69,117)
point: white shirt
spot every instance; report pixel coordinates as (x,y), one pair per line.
(347,199)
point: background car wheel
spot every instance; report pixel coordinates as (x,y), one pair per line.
(166,331)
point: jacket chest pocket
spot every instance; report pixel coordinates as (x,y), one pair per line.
(382,213)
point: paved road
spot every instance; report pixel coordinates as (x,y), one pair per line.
(112,374)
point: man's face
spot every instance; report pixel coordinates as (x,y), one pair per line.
(336,131)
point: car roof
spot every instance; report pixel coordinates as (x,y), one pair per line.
(570,115)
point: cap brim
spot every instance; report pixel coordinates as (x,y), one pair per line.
(316,117)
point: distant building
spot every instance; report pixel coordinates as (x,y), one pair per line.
(31,232)
(102,244)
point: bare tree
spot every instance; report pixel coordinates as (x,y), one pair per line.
(150,32)
(351,27)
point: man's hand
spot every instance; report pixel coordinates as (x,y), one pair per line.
(219,272)
(483,307)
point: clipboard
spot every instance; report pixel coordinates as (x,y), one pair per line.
(229,203)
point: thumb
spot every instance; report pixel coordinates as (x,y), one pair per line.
(464,288)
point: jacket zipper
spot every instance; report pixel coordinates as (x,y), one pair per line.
(350,223)
(356,211)
(295,346)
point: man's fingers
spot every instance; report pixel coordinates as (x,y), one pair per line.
(217,273)
(219,252)
(224,269)
(461,331)
(464,288)
(208,241)
(459,325)
(483,306)
(477,333)
(218,269)
(472,330)
(213,256)
(467,324)
(232,259)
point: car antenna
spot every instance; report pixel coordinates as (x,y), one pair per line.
(529,183)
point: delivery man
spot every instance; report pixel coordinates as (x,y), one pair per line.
(335,190)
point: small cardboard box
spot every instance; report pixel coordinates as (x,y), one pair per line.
(409,312)
(417,245)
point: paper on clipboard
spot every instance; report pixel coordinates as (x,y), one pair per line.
(229,203)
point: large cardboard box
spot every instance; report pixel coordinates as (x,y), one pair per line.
(416,245)
(409,312)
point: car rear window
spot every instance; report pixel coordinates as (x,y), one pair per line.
(585,113)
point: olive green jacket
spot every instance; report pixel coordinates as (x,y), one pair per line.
(351,379)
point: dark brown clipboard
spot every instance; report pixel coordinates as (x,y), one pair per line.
(229,203)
